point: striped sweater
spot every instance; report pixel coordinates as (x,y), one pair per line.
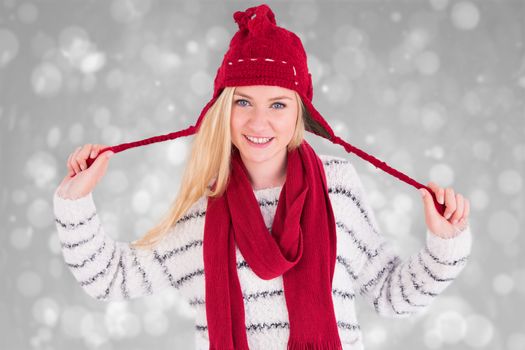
(367,263)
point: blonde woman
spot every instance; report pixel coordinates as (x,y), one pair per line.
(269,242)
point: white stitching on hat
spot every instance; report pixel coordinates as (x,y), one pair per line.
(269,60)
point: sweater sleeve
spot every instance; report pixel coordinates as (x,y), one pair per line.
(395,287)
(106,269)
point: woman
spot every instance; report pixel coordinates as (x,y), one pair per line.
(251,173)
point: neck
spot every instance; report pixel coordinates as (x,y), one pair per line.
(271,173)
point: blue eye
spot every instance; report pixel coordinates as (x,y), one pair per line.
(276,103)
(240,101)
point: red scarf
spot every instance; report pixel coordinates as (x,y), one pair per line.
(301,248)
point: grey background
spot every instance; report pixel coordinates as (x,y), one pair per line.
(434,88)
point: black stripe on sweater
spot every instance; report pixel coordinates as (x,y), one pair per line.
(81,242)
(432,275)
(145,282)
(362,246)
(417,286)
(448,263)
(71,226)
(104,271)
(392,263)
(271,293)
(260,327)
(90,258)
(403,294)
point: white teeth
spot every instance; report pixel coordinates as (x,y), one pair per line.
(258,140)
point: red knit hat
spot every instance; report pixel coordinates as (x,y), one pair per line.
(256,57)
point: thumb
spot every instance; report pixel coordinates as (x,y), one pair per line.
(428,201)
(101,162)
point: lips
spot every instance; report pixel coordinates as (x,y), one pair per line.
(258,144)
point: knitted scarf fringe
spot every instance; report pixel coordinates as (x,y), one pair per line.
(328,345)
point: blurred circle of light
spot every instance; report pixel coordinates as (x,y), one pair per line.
(46,79)
(74,44)
(417,39)
(155,323)
(177,151)
(465,15)
(503,226)
(317,69)
(70,320)
(141,202)
(46,311)
(166,110)
(482,149)
(436,152)
(442,174)
(217,38)
(9,46)
(479,199)
(29,283)
(349,36)
(39,212)
(337,89)
(93,329)
(510,182)
(54,137)
(432,338)
(200,82)
(503,284)
(452,326)
(396,16)
(53,243)
(76,135)
(433,116)
(126,11)
(439,5)
(117,180)
(93,62)
(377,335)
(123,325)
(27,13)
(516,341)
(21,237)
(101,116)
(479,331)
(427,62)
(350,62)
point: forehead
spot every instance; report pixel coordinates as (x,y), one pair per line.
(264,90)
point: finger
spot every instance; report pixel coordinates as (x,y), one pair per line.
(466,210)
(458,214)
(82,155)
(94,150)
(450,202)
(73,162)
(70,169)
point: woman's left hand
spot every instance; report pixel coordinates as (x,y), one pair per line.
(456,212)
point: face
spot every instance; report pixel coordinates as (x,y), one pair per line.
(262,111)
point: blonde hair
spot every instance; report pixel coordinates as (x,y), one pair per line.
(209,161)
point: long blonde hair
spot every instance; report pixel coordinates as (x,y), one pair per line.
(209,161)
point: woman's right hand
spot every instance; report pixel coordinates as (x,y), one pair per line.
(80,179)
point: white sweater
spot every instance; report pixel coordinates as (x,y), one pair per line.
(367,264)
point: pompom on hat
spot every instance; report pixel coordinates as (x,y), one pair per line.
(256,57)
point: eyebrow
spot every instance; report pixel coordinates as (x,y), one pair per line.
(271,99)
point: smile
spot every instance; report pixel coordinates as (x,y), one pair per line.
(259,142)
